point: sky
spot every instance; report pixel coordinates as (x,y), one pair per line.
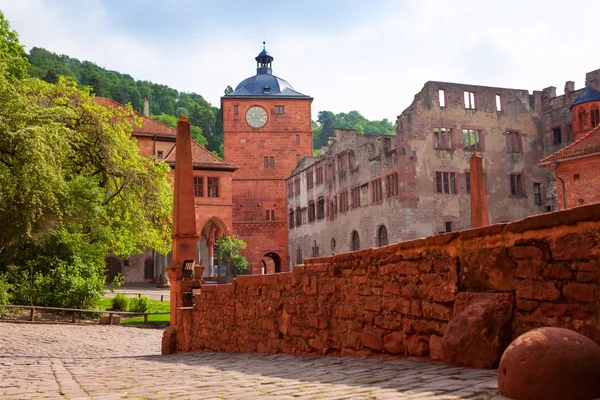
(370,56)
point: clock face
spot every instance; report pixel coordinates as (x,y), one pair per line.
(256,117)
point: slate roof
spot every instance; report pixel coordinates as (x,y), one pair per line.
(587,145)
(588,94)
(149,126)
(201,159)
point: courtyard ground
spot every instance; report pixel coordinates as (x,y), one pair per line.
(41,361)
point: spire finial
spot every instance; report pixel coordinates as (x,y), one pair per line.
(264,45)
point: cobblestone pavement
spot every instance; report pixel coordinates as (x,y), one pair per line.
(113,362)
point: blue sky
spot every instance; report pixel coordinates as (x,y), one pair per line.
(349,55)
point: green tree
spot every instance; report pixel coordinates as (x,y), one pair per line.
(95,84)
(11,51)
(229,252)
(51,76)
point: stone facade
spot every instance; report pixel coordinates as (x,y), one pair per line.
(436,135)
(460,297)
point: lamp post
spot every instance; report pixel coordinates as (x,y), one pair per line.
(554,166)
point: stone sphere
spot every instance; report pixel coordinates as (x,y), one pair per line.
(550,363)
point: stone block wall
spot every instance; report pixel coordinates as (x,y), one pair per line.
(458,297)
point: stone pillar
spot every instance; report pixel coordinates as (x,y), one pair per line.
(479,210)
(184,216)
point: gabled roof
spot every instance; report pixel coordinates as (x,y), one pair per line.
(588,94)
(149,126)
(587,145)
(201,159)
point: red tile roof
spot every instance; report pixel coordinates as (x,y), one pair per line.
(201,158)
(149,126)
(588,144)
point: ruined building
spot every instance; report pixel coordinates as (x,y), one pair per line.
(418,183)
(266,131)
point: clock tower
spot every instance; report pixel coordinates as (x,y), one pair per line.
(266,131)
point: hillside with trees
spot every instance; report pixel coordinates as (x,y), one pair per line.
(168,104)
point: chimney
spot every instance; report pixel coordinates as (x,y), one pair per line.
(146,106)
(569,87)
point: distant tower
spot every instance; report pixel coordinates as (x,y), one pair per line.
(585,112)
(266,130)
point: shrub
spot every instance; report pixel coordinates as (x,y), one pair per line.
(5,294)
(120,302)
(139,304)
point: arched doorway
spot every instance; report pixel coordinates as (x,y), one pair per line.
(214,270)
(149,269)
(355,241)
(113,267)
(272,263)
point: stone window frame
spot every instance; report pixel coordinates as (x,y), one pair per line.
(297,139)
(594,116)
(198,186)
(555,136)
(582,114)
(315,249)
(309,179)
(291,218)
(298,216)
(482,134)
(236,109)
(297,187)
(539,185)
(381,240)
(499,103)
(514,179)
(311,211)
(290,189)
(320,208)
(470,100)
(318,174)
(212,184)
(376,191)
(514,145)
(391,182)
(439,182)
(343,205)
(299,258)
(438,137)
(354,241)
(355,197)
(442,99)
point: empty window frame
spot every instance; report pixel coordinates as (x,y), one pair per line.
(516,185)
(442,138)
(315,249)
(279,110)
(236,110)
(266,162)
(344,201)
(319,175)
(469,100)
(499,103)
(298,216)
(355,197)
(556,136)
(442,98)
(291,218)
(445,182)
(321,208)
(213,187)
(297,139)
(354,241)
(311,211)
(594,116)
(309,179)
(270,215)
(299,255)
(537,194)
(448,226)
(290,189)
(513,142)
(198,186)
(272,161)
(382,236)
(471,140)
(376,191)
(468,182)
(391,182)
(297,186)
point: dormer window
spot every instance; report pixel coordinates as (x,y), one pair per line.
(266,89)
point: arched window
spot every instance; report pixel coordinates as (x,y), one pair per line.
(382,238)
(311,211)
(297,139)
(595,116)
(355,244)
(149,268)
(582,118)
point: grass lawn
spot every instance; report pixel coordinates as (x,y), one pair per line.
(153,306)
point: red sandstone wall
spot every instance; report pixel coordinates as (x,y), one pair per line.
(582,190)
(398,300)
